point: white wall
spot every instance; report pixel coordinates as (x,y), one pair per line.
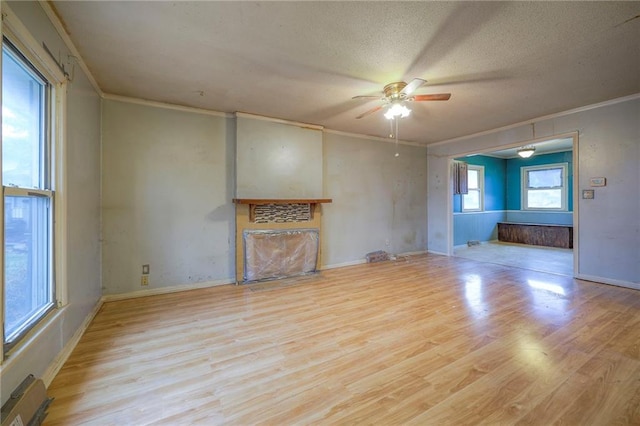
(379,200)
(608,227)
(277,160)
(168,180)
(83,197)
(83,216)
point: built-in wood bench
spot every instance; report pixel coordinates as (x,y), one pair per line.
(536,234)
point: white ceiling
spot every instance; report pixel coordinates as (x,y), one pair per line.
(503,62)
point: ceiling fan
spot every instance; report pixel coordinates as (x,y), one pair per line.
(399,92)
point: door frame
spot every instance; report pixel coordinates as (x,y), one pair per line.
(575,188)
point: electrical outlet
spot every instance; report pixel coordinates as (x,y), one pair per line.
(144,280)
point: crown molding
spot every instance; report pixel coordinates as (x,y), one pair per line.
(164,105)
(55,20)
(373,138)
(278,120)
(539,119)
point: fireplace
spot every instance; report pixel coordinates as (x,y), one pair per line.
(272,254)
(277,238)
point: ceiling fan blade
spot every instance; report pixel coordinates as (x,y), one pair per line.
(434,97)
(367,97)
(371,111)
(412,86)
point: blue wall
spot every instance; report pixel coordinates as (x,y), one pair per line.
(502,199)
(495,189)
(481,226)
(514,187)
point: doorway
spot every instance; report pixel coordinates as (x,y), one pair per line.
(504,186)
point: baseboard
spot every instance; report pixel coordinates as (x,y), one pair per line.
(361,261)
(342,265)
(439,253)
(165,290)
(55,366)
(609,281)
(413,253)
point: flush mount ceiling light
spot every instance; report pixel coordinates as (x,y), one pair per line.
(527,151)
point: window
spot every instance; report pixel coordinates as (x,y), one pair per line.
(544,187)
(473,201)
(29,292)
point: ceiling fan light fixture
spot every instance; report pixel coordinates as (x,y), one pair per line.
(397,110)
(526,151)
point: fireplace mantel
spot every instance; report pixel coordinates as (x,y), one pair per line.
(262,201)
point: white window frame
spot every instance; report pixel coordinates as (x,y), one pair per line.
(15,31)
(480,189)
(524,187)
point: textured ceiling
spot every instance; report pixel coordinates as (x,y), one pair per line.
(545,147)
(503,62)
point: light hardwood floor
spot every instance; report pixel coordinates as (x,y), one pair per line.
(429,340)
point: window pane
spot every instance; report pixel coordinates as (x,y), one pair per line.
(28,289)
(548,178)
(471,201)
(544,198)
(23,117)
(473,179)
